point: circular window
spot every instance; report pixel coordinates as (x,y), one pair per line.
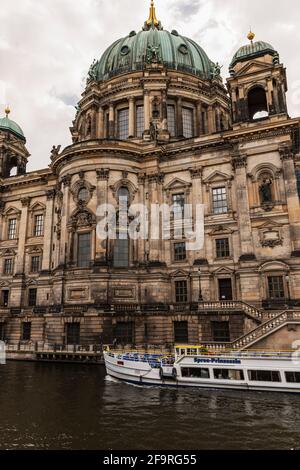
(183,49)
(83,195)
(125,50)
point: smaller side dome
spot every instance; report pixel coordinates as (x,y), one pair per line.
(252,50)
(7,124)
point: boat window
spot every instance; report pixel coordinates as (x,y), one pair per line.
(192,352)
(228,374)
(292,377)
(264,375)
(195,372)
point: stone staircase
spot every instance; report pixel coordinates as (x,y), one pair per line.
(265,329)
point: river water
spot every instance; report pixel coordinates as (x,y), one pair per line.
(66,406)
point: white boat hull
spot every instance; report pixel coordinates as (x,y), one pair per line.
(141,373)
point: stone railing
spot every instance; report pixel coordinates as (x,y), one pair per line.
(232,305)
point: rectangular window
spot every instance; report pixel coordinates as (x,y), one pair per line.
(73,333)
(222,248)
(181,332)
(121,253)
(8,266)
(171,120)
(228,374)
(124,333)
(35,264)
(181,291)
(264,375)
(292,377)
(276,287)
(26,331)
(123,124)
(4,298)
(220,331)
(178,204)
(12,229)
(188,123)
(195,372)
(84,250)
(180,251)
(38,226)
(32,295)
(140,121)
(1,331)
(219,199)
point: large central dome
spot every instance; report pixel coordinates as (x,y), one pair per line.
(153,45)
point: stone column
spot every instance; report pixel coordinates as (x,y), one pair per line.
(48,231)
(211,120)
(111,125)
(131,117)
(100,128)
(199,125)
(243,209)
(66,181)
(292,197)
(197,198)
(147,111)
(22,235)
(102,198)
(179,118)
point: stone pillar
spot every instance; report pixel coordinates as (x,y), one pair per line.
(102,198)
(243,210)
(154,183)
(131,117)
(48,231)
(66,181)
(199,124)
(100,128)
(111,125)
(292,197)
(147,111)
(179,118)
(270,96)
(197,198)
(23,223)
(211,120)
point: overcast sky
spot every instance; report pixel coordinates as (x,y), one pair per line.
(46,48)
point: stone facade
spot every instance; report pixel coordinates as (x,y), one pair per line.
(243,169)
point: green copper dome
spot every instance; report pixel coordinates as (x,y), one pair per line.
(252,50)
(7,124)
(152,45)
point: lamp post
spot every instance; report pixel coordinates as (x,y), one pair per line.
(200,290)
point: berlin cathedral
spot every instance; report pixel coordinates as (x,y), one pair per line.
(156,123)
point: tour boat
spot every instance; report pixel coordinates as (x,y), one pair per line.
(193,366)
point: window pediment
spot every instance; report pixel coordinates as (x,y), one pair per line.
(274,266)
(217,177)
(177,184)
(12,212)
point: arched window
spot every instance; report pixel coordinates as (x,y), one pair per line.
(123,124)
(140,122)
(188,122)
(257,103)
(83,195)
